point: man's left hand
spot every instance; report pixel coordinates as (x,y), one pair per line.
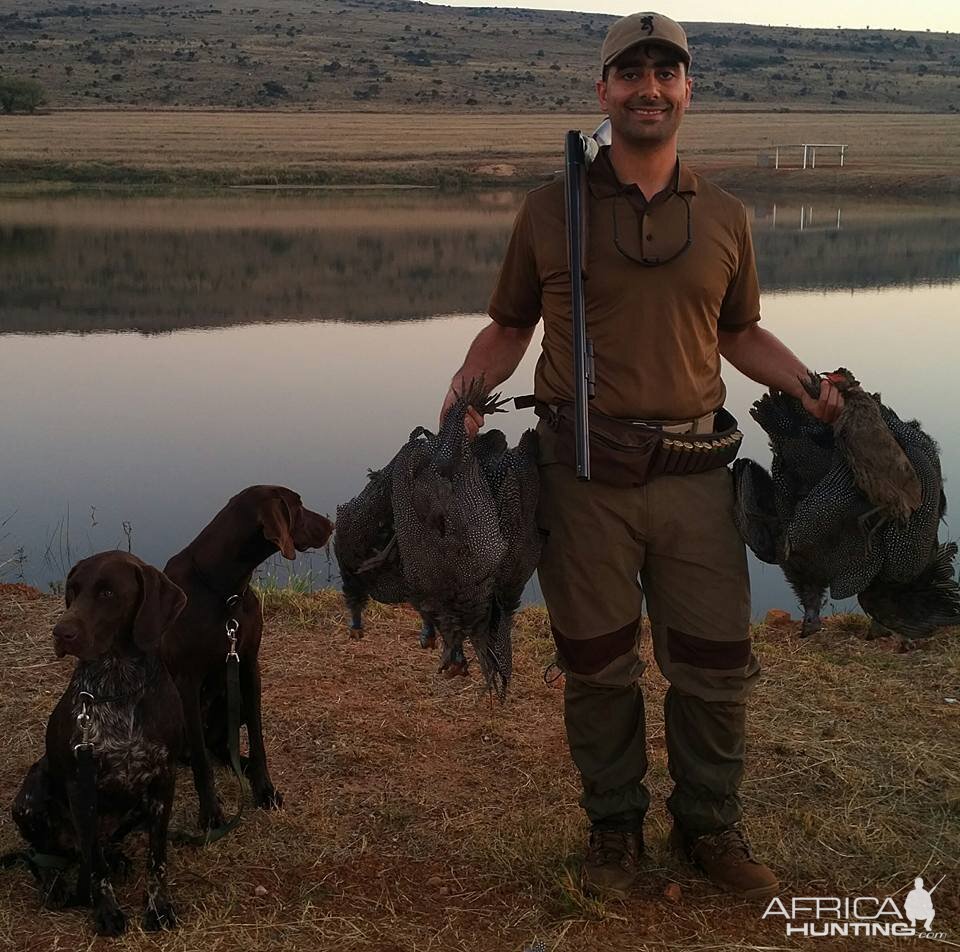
(828,406)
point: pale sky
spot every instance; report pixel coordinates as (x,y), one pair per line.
(938,15)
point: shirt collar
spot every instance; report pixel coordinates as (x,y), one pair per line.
(604,183)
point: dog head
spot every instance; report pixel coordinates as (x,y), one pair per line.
(286,522)
(115,605)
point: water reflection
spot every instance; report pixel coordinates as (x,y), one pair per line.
(159,265)
(102,429)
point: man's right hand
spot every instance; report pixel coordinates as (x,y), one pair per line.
(471,422)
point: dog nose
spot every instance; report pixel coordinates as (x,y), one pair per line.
(65,636)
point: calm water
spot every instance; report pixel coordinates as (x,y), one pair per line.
(158,355)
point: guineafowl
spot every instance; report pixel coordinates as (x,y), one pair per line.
(464,516)
(515,484)
(855,514)
(365,545)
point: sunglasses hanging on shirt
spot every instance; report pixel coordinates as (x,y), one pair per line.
(655,234)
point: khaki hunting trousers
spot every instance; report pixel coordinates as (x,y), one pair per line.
(673,543)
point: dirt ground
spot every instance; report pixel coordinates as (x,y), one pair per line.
(420,815)
(889,153)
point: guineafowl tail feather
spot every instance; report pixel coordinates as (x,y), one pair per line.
(917,608)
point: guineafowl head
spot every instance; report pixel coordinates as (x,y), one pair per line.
(842,379)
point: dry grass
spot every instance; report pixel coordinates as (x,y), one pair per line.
(420,816)
(222,147)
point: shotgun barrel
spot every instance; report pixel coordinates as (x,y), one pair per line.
(575,168)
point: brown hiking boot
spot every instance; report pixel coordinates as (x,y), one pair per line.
(728,862)
(610,866)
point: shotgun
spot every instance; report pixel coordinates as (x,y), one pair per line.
(575,169)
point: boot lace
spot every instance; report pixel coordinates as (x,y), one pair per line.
(609,846)
(733,842)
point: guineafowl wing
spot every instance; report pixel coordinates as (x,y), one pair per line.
(448,535)
(363,534)
(825,532)
(516,500)
(755,509)
(916,609)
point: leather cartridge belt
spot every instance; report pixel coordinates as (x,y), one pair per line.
(633,452)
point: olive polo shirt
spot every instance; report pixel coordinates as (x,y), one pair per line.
(654,329)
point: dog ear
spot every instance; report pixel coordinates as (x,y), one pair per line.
(277,523)
(160,603)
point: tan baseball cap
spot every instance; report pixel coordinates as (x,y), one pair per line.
(643,28)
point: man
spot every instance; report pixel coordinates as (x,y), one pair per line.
(670,286)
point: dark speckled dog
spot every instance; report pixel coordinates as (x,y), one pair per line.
(117,609)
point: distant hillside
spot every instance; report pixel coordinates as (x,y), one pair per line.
(388,54)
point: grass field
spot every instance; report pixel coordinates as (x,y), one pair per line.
(892,152)
(421,816)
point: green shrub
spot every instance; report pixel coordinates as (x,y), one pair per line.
(20,95)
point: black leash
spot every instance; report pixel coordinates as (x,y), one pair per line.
(85,806)
(85,814)
(234,720)
(85,803)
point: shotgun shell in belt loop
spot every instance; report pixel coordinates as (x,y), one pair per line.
(665,454)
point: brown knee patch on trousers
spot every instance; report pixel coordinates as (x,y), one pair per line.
(704,653)
(592,655)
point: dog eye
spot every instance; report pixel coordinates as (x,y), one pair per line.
(105,593)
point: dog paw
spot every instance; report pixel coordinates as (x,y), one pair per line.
(158,915)
(211,818)
(109,920)
(269,798)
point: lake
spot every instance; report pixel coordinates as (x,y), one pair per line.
(159,354)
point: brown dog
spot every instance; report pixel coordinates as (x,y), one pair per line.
(117,609)
(217,566)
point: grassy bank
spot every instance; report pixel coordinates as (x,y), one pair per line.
(419,815)
(897,153)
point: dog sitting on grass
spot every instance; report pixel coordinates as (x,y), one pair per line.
(121,707)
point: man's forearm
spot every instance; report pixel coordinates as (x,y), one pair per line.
(764,358)
(494,355)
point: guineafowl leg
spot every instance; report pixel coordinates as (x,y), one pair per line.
(453,662)
(457,665)
(356,598)
(813,600)
(356,620)
(428,632)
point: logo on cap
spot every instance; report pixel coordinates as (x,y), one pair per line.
(646,24)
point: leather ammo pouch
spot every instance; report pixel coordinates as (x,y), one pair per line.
(628,453)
